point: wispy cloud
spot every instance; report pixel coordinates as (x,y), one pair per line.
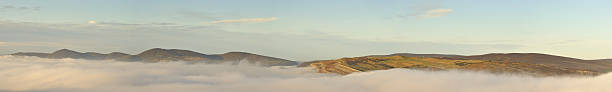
(133,24)
(199,15)
(428,13)
(425,9)
(245,20)
(20,7)
(436,13)
(30,44)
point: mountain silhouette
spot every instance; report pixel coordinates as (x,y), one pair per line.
(166,55)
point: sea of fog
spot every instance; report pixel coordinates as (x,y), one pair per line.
(73,75)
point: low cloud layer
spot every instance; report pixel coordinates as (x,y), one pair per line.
(246,20)
(70,75)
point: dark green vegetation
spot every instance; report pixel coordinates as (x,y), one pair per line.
(167,55)
(515,63)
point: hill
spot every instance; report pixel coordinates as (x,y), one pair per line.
(516,63)
(545,59)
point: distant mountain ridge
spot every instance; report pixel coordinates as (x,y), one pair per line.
(166,55)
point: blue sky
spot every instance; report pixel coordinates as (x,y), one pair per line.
(313,29)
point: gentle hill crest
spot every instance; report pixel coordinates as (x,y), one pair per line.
(545,59)
(418,55)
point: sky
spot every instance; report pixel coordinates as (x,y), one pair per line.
(310,30)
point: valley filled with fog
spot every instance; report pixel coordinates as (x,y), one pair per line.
(75,75)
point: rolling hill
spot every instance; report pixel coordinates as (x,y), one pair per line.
(533,64)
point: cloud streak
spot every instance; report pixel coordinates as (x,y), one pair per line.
(436,13)
(72,75)
(246,20)
(36,8)
(198,15)
(29,44)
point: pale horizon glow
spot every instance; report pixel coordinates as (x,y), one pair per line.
(91,22)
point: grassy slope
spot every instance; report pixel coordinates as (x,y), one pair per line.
(362,64)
